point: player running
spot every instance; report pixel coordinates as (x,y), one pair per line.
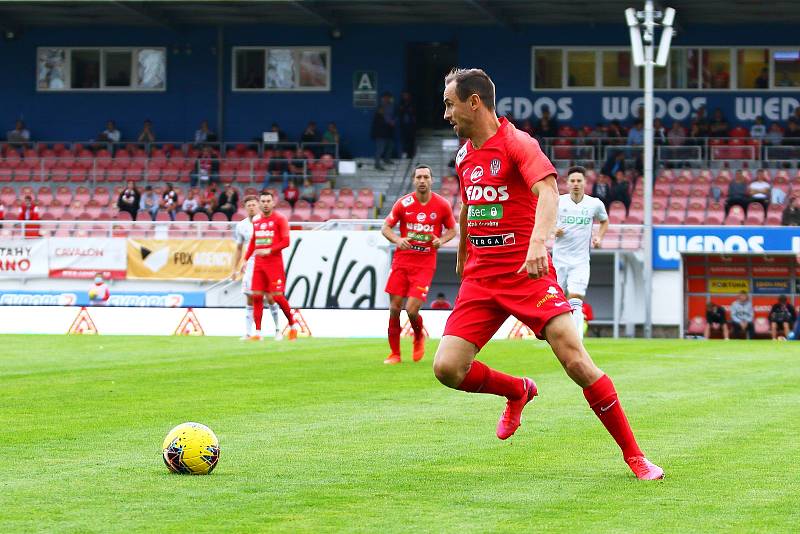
(422,216)
(576,213)
(270,237)
(242,233)
(510,201)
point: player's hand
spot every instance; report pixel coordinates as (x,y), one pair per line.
(235,274)
(596,241)
(536,261)
(436,243)
(403,243)
(559,232)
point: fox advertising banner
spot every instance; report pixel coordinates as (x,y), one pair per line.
(346,269)
(670,241)
(23,258)
(175,259)
(132,299)
(72,257)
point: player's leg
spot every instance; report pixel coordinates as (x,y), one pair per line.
(413,305)
(247,290)
(786,329)
(275,311)
(725,331)
(707,331)
(395,307)
(283,304)
(599,392)
(259,287)
(576,287)
(773,330)
(277,279)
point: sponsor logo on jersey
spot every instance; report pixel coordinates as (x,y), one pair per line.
(487,192)
(485,212)
(499,240)
(494,167)
(406,202)
(552,293)
(421,217)
(419,227)
(575,219)
(417,236)
(477,174)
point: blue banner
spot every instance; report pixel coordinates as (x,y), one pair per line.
(143,299)
(670,241)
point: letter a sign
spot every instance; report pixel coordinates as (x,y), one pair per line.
(365,89)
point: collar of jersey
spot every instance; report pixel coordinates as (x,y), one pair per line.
(503,124)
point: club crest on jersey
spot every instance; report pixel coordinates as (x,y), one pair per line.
(433,216)
(494,167)
(476,175)
(420,217)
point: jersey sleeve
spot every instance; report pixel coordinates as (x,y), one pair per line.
(238,238)
(524,151)
(446,213)
(251,247)
(282,240)
(394,216)
(600,212)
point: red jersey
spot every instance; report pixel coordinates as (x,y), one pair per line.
(496,182)
(269,232)
(420,223)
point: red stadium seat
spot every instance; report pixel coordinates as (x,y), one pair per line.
(327,196)
(82,194)
(7,196)
(761,326)
(44,196)
(200,216)
(735,216)
(367,197)
(219,216)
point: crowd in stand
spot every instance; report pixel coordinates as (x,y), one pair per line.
(208,200)
(781,323)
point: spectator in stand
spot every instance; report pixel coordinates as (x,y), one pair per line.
(759,189)
(677,134)
(207,169)
(791,214)
(599,132)
(291,194)
(29,211)
(407,117)
(614,163)
(277,170)
(738,194)
(129,199)
(719,125)
(19,135)
(331,136)
(758,130)
(636,134)
(792,134)
(742,316)
(777,196)
(715,320)
(701,119)
(441,303)
(204,134)
(782,316)
(169,201)
(190,204)
(282,137)
(228,202)
(546,126)
(762,80)
(659,132)
(208,200)
(110,135)
(311,135)
(298,168)
(147,135)
(621,190)
(775,134)
(149,202)
(382,131)
(308,193)
(602,189)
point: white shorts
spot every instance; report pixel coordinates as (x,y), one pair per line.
(247,277)
(573,279)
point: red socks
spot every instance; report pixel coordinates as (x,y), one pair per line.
(416,324)
(484,379)
(394,334)
(281,301)
(602,398)
(258,310)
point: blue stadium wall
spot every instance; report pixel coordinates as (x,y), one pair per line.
(191,93)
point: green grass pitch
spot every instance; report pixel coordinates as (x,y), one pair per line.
(319,436)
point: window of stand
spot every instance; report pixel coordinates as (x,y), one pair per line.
(101,69)
(688,68)
(288,68)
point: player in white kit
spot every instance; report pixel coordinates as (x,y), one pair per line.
(577,212)
(242,233)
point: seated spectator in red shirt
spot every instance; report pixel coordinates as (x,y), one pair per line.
(291,193)
(29,211)
(441,303)
(208,201)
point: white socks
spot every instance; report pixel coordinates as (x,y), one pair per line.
(275,310)
(248,320)
(577,315)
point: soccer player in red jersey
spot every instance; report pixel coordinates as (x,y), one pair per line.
(270,237)
(422,216)
(510,199)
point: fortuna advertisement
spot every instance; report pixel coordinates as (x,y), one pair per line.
(23,258)
(83,257)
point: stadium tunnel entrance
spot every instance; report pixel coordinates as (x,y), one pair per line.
(426,66)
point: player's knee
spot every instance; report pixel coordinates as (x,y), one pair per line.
(447,372)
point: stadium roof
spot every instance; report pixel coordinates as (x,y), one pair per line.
(18,15)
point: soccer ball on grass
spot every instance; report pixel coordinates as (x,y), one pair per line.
(191,449)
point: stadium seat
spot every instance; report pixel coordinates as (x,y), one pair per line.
(7,195)
(82,194)
(44,196)
(616,212)
(64,195)
(367,196)
(761,326)
(200,216)
(735,216)
(755,215)
(302,209)
(327,196)
(219,217)
(340,210)
(182,216)
(323,209)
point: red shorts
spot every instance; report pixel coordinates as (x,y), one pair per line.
(408,281)
(269,278)
(483,305)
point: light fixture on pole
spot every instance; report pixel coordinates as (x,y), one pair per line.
(642,25)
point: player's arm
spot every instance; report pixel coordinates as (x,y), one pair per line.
(449,225)
(387,232)
(251,247)
(536,263)
(461,255)
(237,256)
(602,216)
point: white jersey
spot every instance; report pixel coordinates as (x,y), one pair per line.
(243,231)
(576,220)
